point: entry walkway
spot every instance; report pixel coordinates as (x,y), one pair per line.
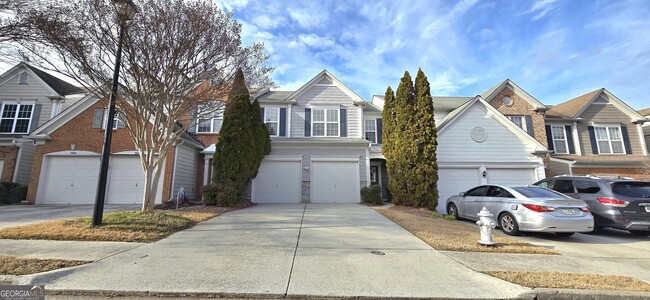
(287,250)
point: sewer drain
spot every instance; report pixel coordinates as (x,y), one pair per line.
(378,253)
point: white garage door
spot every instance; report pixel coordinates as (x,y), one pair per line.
(277,182)
(511,176)
(73,180)
(335,181)
(452,181)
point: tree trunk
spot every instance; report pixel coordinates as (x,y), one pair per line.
(151,181)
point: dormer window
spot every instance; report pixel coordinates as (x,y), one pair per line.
(23,78)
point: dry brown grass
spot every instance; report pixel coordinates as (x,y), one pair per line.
(448,235)
(117,227)
(10,265)
(573,281)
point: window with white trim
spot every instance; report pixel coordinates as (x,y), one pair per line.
(558,134)
(519,121)
(370,129)
(15,117)
(609,139)
(118,122)
(325,122)
(272,120)
(211,125)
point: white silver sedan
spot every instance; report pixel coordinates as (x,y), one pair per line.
(524,208)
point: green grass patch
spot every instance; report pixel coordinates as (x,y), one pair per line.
(136,221)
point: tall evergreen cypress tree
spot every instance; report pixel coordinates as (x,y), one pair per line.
(403,146)
(241,145)
(387,132)
(425,165)
(262,137)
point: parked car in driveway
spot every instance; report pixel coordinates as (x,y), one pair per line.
(524,208)
(615,202)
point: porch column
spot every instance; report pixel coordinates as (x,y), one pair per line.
(206,170)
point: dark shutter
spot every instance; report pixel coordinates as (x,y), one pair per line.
(549,137)
(262,114)
(121,117)
(98,118)
(529,125)
(626,140)
(283,122)
(592,138)
(379,128)
(569,139)
(307,122)
(344,122)
(36,114)
(191,125)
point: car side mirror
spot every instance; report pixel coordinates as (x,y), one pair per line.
(462,194)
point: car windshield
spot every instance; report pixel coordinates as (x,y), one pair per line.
(537,192)
(635,189)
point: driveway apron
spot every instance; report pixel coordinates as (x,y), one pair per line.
(292,250)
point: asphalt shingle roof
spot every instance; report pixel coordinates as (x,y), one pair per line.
(61,87)
(570,108)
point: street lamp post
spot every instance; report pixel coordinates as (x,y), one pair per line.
(125,11)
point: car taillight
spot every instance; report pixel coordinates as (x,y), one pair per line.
(612,202)
(539,208)
(585,209)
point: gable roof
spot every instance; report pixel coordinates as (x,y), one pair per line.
(272,96)
(645,111)
(58,86)
(335,81)
(494,114)
(492,92)
(573,108)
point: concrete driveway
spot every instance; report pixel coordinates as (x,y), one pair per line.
(287,250)
(16,215)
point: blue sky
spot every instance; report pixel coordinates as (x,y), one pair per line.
(555,50)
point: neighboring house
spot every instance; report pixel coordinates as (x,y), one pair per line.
(478,145)
(596,133)
(319,153)
(646,128)
(29,97)
(67,160)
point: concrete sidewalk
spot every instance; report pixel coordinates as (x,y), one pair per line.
(287,251)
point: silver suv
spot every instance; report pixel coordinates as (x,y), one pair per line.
(615,202)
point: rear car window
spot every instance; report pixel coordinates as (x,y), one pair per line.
(537,192)
(563,186)
(634,189)
(586,187)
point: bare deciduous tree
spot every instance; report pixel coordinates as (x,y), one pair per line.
(177,56)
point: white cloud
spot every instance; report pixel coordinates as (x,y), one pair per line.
(230,5)
(268,22)
(542,7)
(315,41)
(308,18)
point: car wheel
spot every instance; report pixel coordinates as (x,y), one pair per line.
(565,234)
(640,232)
(452,210)
(508,224)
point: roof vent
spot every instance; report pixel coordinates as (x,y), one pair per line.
(478,134)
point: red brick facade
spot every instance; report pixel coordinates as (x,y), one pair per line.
(80,131)
(521,107)
(9,155)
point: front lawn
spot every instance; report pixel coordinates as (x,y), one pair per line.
(451,235)
(125,226)
(573,281)
(10,265)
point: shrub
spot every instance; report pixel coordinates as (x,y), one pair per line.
(210,194)
(227,193)
(371,194)
(11,192)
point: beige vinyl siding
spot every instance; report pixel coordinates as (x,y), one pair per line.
(606,114)
(24,171)
(324,96)
(455,144)
(558,168)
(34,90)
(185,173)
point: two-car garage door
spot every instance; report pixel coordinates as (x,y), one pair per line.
(73,180)
(280,181)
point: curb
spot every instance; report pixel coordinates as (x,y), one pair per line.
(572,294)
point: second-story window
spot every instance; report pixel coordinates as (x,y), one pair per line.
(519,121)
(15,118)
(212,125)
(370,128)
(272,120)
(610,140)
(325,122)
(559,139)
